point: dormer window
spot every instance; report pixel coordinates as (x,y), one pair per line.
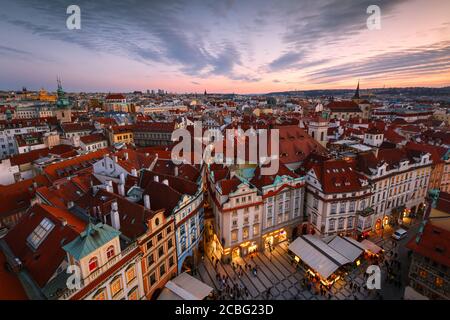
(93,264)
(40,233)
(110,252)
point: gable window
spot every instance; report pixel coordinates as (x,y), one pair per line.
(93,264)
(110,252)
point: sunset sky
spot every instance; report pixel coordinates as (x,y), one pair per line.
(246,46)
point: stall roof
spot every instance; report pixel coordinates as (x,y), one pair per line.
(311,250)
(326,249)
(185,287)
(370,246)
(347,247)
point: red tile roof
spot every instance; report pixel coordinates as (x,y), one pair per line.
(93,138)
(43,262)
(343,106)
(11,288)
(115,96)
(434,244)
(17,197)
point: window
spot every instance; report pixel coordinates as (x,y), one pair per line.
(162,270)
(331,225)
(101,295)
(130,274)
(160,252)
(159,237)
(150,260)
(342,207)
(168,230)
(169,244)
(133,295)
(149,245)
(110,252)
(245,233)
(234,223)
(116,286)
(315,203)
(152,279)
(171,261)
(93,264)
(234,235)
(341,224)
(255,229)
(333,208)
(439,282)
(350,222)
(40,233)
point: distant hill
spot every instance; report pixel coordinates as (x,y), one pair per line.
(413,91)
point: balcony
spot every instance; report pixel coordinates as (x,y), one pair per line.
(365,212)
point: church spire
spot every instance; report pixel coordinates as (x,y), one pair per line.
(356,96)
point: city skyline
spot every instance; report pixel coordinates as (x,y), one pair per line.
(223,46)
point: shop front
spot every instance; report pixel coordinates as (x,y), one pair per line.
(273,238)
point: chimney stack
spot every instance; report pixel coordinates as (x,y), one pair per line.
(156,178)
(115,159)
(166,182)
(147,201)
(115,219)
(134,172)
(109,186)
(126,155)
(122,178)
(121,189)
(176,171)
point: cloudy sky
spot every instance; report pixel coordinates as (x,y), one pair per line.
(245,46)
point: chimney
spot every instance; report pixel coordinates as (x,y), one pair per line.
(70,204)
(147,201)
(115,159)
(134,172)
(109,186)
(166,182)
(156,178)
(176,171)
(115,219)
(126,155)
(121,189)
(147,154)
(122,178)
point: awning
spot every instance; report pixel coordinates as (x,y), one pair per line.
(347,247)
(185,287)
(411,294)
(370,246)
(317,255)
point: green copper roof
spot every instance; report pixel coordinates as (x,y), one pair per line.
(92,238)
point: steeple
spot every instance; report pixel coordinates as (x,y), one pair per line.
(356,96)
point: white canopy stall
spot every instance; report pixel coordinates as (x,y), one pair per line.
(318,255)
(346,246)
(185,287)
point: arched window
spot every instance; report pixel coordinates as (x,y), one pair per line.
(110,252)
(93,264)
